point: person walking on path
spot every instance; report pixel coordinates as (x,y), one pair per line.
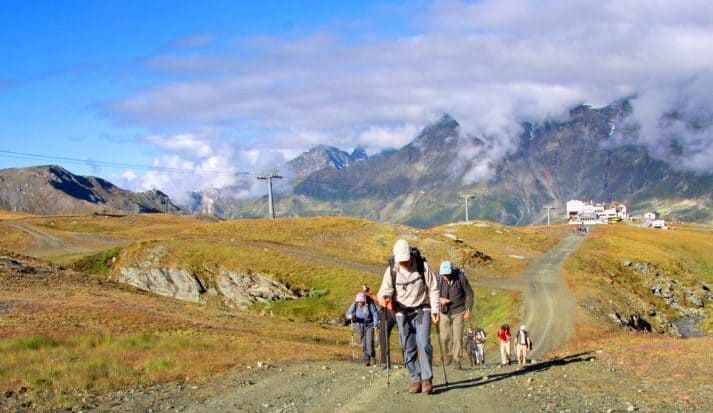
(456,300)
(480,338)
(504,340)
(387,321)
(524,345)
(470,346)
(412,288)
(366,318)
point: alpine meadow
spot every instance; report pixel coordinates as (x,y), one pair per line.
(356,206)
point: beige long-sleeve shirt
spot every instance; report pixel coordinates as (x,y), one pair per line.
(410,289)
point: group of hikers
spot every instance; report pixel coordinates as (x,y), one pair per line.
(412,297)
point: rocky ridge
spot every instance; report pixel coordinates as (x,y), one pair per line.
(236,289)
(53,190)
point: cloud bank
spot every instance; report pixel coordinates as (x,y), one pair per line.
(490,64)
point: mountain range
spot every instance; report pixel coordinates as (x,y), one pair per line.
(53,190)
(427,181)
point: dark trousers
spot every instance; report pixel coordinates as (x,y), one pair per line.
(366,340)
(387,322)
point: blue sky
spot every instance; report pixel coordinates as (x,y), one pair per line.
(218,87)
(64,60)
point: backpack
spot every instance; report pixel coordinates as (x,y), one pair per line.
(522,337)
(481,335)
(420,267)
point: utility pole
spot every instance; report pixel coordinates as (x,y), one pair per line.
(468,196)
(548,213)
(271,204)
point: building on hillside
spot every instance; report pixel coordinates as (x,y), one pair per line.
(659,223)
(589,213)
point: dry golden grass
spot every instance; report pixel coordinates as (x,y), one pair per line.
(512,248)
(13,238)
(134,226)
(13,215)
(66,333)
(678,369)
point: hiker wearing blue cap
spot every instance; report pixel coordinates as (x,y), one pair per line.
(456,300)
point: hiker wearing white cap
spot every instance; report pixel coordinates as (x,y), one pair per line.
(363,314)
(523,345)
(412,288)
(456,300)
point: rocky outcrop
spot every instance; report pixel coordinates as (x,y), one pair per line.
(685,301)
(170,282)
(236,289)
(242,290)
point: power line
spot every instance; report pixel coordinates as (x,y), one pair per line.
(88,162)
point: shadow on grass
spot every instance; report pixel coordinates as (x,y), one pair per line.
(530,368)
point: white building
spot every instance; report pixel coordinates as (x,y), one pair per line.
(575,208)
(650,215)
(580,212)
(659,223)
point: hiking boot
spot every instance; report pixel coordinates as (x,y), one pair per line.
(426,386)
(414,387)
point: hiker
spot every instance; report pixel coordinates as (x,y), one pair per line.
(524,345)
(456,300)
(412,288)
(364,315)
(470,346)
(504,340)
(480,338)
(387,321)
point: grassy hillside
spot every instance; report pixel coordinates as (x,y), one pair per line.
(65,335)
(69,333)
(511,248)
(619,266)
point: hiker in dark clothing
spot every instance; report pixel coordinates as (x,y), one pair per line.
(456,299)
(412,288)
(470,346)
(387,322)
(366,318)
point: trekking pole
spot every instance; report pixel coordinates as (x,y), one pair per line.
(353,354)
(388,353)
(443,360)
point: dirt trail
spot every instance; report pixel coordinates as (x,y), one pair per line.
(548,305)
(53,243)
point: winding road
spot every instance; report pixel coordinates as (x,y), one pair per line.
(548,305)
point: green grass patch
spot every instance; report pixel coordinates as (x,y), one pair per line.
(28,343)
(96,264)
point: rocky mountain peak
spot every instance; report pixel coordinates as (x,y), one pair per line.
(443,132)
(51,189)
(323,156)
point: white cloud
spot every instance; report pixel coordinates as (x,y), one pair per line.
(129,175)
(490,64)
